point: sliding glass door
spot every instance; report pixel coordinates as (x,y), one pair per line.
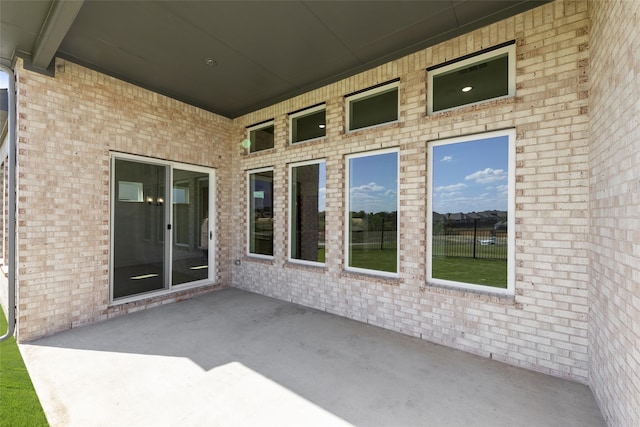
(190,251)
(160,238)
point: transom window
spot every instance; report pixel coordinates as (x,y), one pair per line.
(372,213)
(308,124)
(373,107)
(471,208)
(471,80)
(261,136)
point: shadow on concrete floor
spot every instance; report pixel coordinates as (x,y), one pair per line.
(233,358)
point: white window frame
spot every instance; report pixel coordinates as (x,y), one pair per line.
(291,207)
(510,50)
(367,94)
(171,165)
(303,113)
(249,213)
(347,219)
(259,126)
(511,233)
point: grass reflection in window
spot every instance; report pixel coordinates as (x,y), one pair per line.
(470,197)
(372,200)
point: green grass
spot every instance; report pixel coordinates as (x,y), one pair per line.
(374,259)
(487,272)
(19,404)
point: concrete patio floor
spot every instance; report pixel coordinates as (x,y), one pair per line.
(233,358)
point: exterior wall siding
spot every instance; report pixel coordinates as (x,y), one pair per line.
(67,128)
(614,319)
(544,326)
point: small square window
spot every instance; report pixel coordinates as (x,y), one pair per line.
(485,76)
(261,136)
(373,107)
(308,124)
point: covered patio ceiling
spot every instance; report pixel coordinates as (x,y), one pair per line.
(233,57)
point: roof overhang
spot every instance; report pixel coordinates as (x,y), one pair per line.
(234,57)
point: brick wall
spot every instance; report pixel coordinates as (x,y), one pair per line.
(67,127)
(614,326)
(576,113)
(544,327)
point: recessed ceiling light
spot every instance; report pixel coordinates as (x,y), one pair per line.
(210,62)
(467,88)
(322,126)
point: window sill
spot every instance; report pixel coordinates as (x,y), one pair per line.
(485,295)
(319,268)
(371,277)
(468,108)
(359,131)
(259,259)
(257,153)
(307,141)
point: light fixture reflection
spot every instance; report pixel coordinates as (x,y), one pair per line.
(157,202)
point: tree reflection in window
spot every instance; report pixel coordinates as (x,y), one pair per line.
(470,198)
(261,212)
(372,206)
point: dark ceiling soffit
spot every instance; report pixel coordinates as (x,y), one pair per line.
(54,28)
(463,29)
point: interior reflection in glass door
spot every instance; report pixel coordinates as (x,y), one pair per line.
(162,235)
(139,251)
(191,233)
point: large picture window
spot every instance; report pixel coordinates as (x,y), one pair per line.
(260,212)
(487,75)
(307,205)
(372,212)
(471,203)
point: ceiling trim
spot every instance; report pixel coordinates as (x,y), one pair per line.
(54,28)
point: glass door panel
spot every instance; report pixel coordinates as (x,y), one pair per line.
(139,227)
(191,234)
